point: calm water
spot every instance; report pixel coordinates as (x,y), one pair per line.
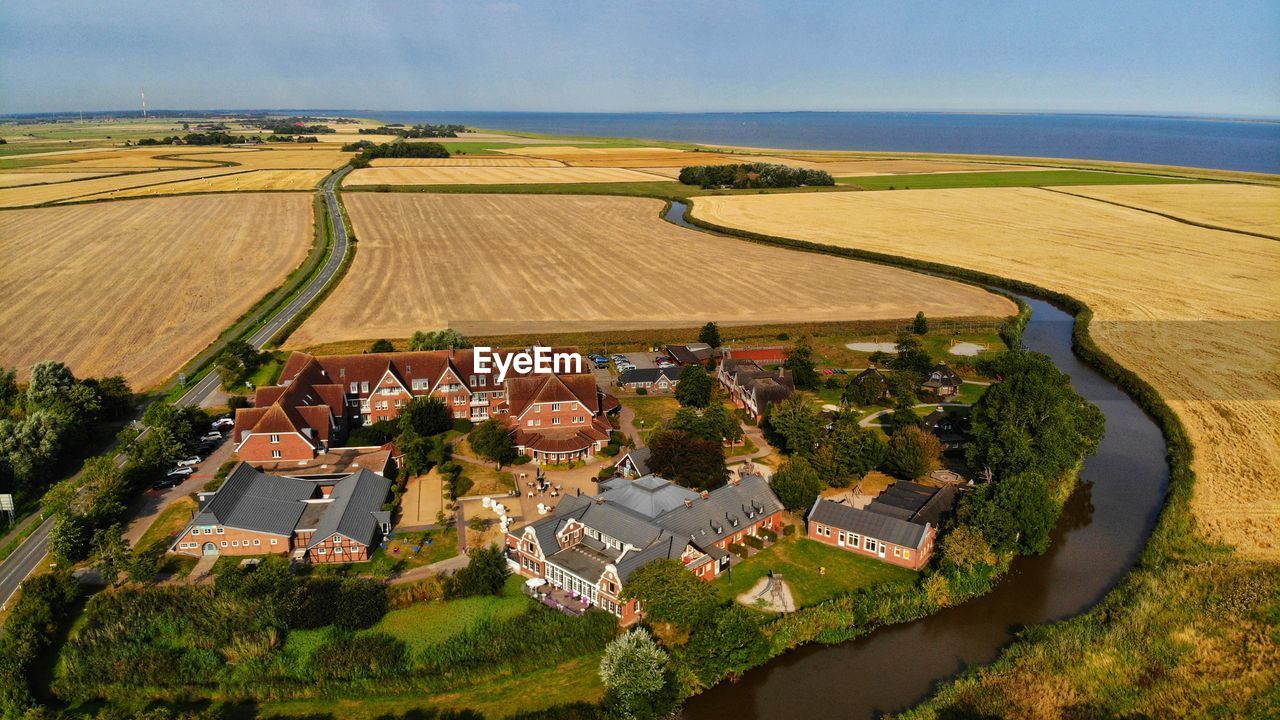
(1102,532)
(1226,144)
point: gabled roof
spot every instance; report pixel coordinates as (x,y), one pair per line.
(355,509)
(707,520)
(251,500)
(868,524)
(766,355)
(942,376)
(612,519)
(639,458)
(870,372)
(691,354)
(649,375)
(526,391)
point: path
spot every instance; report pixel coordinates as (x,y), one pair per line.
(866,421)
(15,568)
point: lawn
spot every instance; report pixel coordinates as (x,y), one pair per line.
(650,410)
(168,523)
(485,480)
(799,560)
(969,393)
(399,555)
(1016,178)
(830,349)
(425,624)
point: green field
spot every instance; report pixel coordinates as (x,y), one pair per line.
(1016,178)
(424,624)
(798,561)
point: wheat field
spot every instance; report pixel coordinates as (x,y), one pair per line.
(139,287)
(492,264)
(469,161)
(250,181)
(1196,312)
(493,176)
(60,192)
(14,179)
(1240,207)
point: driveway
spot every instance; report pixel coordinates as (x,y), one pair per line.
(642,359)
(155,502)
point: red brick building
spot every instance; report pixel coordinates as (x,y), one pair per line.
(555,417)
(898,527)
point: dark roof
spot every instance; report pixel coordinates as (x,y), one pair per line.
(870,372)
(869,524)
(649,495)
(612,519)
(252,500)
(707,520)
(942,376)
(947,427)
(666,547)
(355,508)
(649,375)
(639,458)
(917,503)
(691,354)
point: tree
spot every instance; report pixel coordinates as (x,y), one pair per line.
(382,346)
(800,364)
(71,538)
(360,603)
(50,382)
(710,334)
(237,362)
(921,324)
(693,462)
(426,415)
(913,453)
(668,593)
(868,391)
(110,552)
(9,392)
(724,423)
(731,643)
(634,670)
(493,441)
(485,574)
(694,389)
(1015,513)
(903,416)
(797,421)
(912,357)
(965,548)
(796,484)
(848,453)
(439,340)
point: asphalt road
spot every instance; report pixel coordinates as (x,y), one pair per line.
(15,568)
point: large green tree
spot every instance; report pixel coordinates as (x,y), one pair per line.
(801,365)
(797,422)
(710,334)
(493,441)
(913,453)
(849,452)
(1014,513)
(669,593)
(796,484)
(694,389)
(690,461)
(634,671)
(426,415)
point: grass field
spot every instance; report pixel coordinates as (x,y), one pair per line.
(1192,310)
(800,561)
(667,276)
(424,624)
(138,287)
(651,411)
(1016,178)
(492,175)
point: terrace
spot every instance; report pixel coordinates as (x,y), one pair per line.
(556,598)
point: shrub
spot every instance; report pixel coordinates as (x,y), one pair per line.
(316,603)
(521,460)
(30,630)
(462,425)
(406,594)
(344,656)
(754,542)
(738,549)
(609,450)
(485,574)
(642,391)
(768,534)
(788,530)
(360,603)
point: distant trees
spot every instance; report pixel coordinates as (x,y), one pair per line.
(397,149)
(426,415)
(424,130)
(493,441)
(710,334)
(438,340)
(753,175)
(382,346)
(695,386)
(213,137)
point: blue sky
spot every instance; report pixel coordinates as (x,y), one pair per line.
(1220,57)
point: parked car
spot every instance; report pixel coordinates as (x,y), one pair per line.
(599,359)
(223,424)
(206,447)
(211,437)
(181,471)
(602,366)
(169,481)
(189,462)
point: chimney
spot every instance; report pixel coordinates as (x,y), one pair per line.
(452,351)
(704,494)
(780,371)
(600,501)
(688,503)
(733,479)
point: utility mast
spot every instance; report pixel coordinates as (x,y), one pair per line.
(143,91)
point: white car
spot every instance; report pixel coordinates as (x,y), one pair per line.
(223,424)
(189,462)
(213,436)
(184,471)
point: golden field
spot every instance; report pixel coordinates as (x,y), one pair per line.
(1239,207)
(137,288)
(60,192)
(238,182)
(493,175)
(468,161)
(532,263)
(1195,311)
(625,157)
(38,178)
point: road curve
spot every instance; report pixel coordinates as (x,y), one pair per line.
(15,568)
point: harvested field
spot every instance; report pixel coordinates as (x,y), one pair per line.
(138,288)
(279,158)
(1241,207)
(851,168)
(1195,311)
(13,179)
(622,157)
(39,194)
(491,161)
(532,263)
(492,176)
(149,158)
(238,182)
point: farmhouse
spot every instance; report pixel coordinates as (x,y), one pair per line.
(873,373)
(753,388)
(949,428)
(653,380)
(942,381)
(898,527)
(555,417)
(588,547)
(254,513)
(691,354)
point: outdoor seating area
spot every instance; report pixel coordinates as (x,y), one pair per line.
(565,601)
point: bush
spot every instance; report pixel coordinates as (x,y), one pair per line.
(30,630)
(343,656)
(642,391)
(788,530)
(485,574)
(609,450)
(738,549)
(315,603)
(769,535)
(521,460)
(462,425)
(754,542)
(360,604)
(406,594)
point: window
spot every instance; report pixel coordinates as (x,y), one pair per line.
(897,552)
(275,438)
(223,543)
(853,539)
(364,387)
(220,531)
(275,454)
(256,543)
(322,551)
(840,537)
(484,381)
(870,545)
(906,554)
(195,531)
(235,543)
(555,421)
(555,407)
(337,550)
(274,541)
(355,387)
(579,419)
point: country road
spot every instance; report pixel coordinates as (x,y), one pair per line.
(15,568)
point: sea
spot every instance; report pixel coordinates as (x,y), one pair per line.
(1228,144)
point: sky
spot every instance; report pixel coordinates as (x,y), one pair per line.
(1168,56)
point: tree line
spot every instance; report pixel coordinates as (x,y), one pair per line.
(422,130)
(398,149)
(753,175)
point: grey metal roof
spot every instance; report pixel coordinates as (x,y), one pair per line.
(868,524)
(355,508)
(252,500)
(708,520)
(649,495)
(639,458)
(611,519)
(666,547)
(649,375)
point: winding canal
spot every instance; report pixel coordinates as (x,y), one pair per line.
(1103,529)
